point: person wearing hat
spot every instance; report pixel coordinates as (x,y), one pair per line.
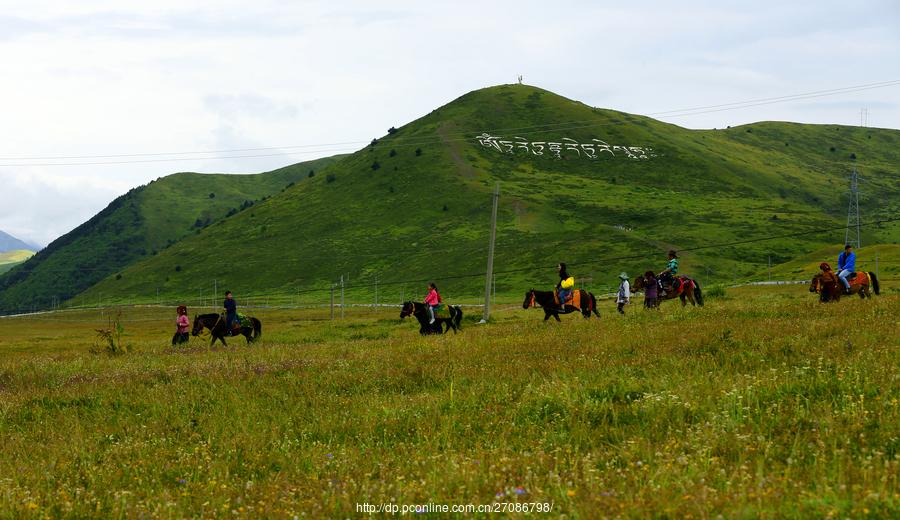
(846,266)
(623,297)
(668,274)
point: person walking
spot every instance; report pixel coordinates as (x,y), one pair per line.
(623,297)
(651,291)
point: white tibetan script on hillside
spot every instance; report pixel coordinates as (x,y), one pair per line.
(564,146)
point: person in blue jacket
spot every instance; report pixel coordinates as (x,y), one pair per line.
(846,266)
(230,312)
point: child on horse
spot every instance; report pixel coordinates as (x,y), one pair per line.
(565,286)
(432,301)
(623,296)
(846,266)
(829,282)
(230,312)
(183,324)
(667,277)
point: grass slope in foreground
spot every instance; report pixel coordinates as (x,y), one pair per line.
(416,205)
(136,225)
(763,404)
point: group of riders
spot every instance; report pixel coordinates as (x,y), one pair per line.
(831,284)
(655,286)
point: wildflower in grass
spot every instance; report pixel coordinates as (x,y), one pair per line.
(500,494)
(329,456)
(520,490)
(182,481)
(570,493)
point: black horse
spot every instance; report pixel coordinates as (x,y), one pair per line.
(216,325)
(547,300)
(421,313)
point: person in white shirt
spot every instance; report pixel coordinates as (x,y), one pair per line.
(623,297)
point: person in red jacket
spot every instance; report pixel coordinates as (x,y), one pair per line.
(432,300)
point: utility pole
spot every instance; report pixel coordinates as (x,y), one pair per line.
(853,211)
(376,290)
(770,268)
(490,263)
(342,296)
(332,302)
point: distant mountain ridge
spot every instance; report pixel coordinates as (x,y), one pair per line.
(139,224)
(11,243)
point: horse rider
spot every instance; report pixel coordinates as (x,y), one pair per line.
(846,266)
(230,312)
(432,300)
(565,286)
(668,274)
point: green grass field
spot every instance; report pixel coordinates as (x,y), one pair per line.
(764,403)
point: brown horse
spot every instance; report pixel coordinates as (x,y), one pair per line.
(688,289)
(863,283)
(548,301)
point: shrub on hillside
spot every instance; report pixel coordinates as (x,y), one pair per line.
(393,153)
(376,165)
(311,174)
(212,195)
(330,178)
(418,152)
(392,130)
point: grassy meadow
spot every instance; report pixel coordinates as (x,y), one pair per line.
(764,403)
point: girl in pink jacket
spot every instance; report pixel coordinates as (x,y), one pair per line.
(432,301)
(183,325)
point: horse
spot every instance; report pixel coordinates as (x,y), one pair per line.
(547,300)
(421,313)
(863,283)
(216,325)
(689,289)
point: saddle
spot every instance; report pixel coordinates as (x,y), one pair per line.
(442,311)
(573,299)
(672,288)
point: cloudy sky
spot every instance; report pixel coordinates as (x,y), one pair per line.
(120,78)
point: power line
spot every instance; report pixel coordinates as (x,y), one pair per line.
(345,146)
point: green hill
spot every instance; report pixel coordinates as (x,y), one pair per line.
(10,259)
(415,205)
(139,224)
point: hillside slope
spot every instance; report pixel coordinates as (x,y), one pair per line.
(415,205)
(139,224)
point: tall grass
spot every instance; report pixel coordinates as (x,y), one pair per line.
(764,404)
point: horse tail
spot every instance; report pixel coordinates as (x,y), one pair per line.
(875,285)
(698,294)
(457,318)
(257,328)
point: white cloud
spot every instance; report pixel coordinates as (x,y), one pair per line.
(99,77)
